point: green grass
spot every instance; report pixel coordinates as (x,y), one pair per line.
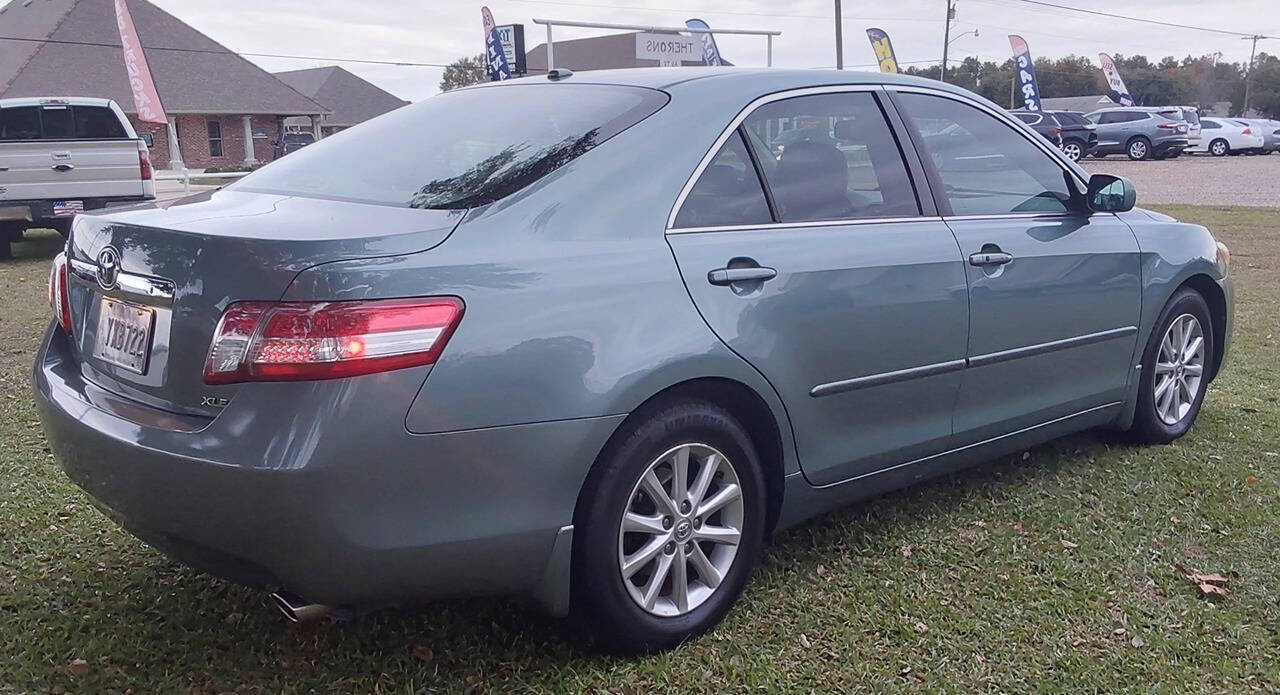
(961,584)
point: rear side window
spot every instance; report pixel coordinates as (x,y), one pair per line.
(728,192)
(57,122)
(460,149)
(1028,118)
(831,156)
(1209,125)
(986,166)
(20,123)
(97,123)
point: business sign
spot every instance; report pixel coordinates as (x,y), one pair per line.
(1119,92)
(146,100)
(669,47)
(883,48)
(1028,89)
(495,59)
(511,38)
(710,52)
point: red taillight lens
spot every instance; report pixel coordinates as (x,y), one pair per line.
(59,300)
(1167,126)
(1247,131)
(300,341)
(144,162)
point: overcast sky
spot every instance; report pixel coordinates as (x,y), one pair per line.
(438,31)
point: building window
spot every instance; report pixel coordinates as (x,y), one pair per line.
(215,138)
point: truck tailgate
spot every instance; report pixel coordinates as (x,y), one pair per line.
(69,169)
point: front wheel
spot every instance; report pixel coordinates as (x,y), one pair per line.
(668,528)
(1138,149)
(1175,369)
(1073,149)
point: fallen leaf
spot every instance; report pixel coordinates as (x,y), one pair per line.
(1118,631)
(1017,528)
(1209,584)
(1069,545)
(423,653)
(822,571)
(78,668)
(1137,641)
(921,627)
(906,551)
(804,641)
(1251,480)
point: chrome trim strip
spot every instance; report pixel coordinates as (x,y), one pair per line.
(909,373)
(984,442)
(886,378)
(1051,346)
(793,225)
(148,289)
(1011,216)
(742,116)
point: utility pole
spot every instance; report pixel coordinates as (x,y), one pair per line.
(946,37)
(840,38)
(1248,70)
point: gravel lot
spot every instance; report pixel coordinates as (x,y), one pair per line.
(1199,180)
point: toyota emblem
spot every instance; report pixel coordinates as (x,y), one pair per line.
(108,267)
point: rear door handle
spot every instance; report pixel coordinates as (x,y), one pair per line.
(728,276)
(63,167)
(990,258)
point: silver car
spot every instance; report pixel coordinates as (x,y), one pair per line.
(1140,132)
(590,339)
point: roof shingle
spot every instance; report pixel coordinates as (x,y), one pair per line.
(352,99)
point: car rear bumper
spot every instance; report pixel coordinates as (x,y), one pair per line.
(278,500)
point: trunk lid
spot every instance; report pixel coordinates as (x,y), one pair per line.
(180,266)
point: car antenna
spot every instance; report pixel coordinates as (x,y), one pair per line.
(559,73)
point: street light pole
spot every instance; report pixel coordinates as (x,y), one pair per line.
(946,38)
(840,38)
(1248,71)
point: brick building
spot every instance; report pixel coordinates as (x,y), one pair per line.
(217,101)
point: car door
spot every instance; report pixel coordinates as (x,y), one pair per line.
(1054,290)
(830,278)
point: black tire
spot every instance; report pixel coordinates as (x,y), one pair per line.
(1219,147)
(1138,148)
(1148,427)
(600,601)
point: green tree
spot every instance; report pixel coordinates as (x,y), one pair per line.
(1264,90)
(464,71)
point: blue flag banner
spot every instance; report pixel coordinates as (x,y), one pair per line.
(1119,92)
(1028,89)
(710,52)
(494,56)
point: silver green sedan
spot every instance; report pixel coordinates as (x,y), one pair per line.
(589,339)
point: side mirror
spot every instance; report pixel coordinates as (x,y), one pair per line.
(148,139)
(1109,193)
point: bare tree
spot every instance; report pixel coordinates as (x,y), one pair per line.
(464,71)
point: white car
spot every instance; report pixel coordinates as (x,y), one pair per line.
(1223,136)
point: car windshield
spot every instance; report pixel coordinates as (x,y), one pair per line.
(460,149)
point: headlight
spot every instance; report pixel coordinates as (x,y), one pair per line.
(1224,257)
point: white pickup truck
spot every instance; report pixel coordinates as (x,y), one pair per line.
(64,155)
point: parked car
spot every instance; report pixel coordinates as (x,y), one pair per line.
(485,362)
(291,142)
(63,155)
(1044,124)
(1224,136)
(1079,134)
(1270,131)
(1140,132)
(1192,116)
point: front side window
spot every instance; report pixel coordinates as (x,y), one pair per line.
(215,138)
(831,156)
(460,149)
(986,166)
(728,192)
(20,123)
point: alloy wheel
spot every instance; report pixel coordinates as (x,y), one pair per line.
(1137,149)
(1072,150)
(1179,369)
(681,529)
(1219,148)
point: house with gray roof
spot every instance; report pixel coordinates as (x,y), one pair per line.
(223,110)
(350,99)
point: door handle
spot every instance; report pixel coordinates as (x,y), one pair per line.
(63,167)
(728,276)
(990,258)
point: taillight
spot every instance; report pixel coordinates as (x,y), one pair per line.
(302,341)
(1167,126)
(59,300)
(1055,129)
(144,162)
(1246,131)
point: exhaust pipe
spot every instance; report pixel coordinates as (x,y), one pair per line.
(298,610)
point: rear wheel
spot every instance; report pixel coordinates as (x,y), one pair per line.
(668,528)
(1138,149)
(1175,369)
(1219,147)
(1074,149)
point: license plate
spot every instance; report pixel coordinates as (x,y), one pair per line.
(124,334)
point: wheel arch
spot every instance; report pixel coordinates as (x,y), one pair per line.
(1213,295)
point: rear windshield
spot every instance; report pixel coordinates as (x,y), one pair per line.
(459,149)
(1172,114)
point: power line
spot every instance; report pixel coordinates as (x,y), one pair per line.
(1100,13)
(404,63)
